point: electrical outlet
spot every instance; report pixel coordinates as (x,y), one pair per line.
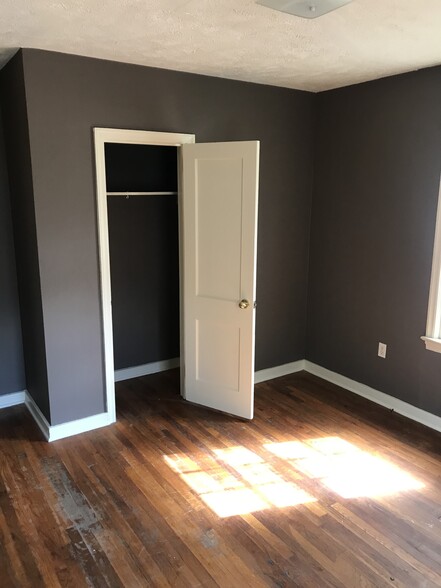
(382,347)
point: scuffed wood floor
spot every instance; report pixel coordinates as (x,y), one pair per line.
(321,489)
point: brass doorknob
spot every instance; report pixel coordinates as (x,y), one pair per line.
(244,304)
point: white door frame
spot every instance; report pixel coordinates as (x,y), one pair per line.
(101,137)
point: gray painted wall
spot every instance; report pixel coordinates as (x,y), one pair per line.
(377,168)
(12,378)
(66,97)
(13,103)
(144,253)
(144,261)
(377,163)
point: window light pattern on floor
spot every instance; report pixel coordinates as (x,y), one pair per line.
(345,469)
(238,481)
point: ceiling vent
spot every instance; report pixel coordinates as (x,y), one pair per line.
(302,8)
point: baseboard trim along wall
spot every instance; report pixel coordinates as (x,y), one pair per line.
(278,371)
(7,400)
(91,423)
(38,416)
(399,406)
(169,364)
(403,408)
(56,432)
(146,369)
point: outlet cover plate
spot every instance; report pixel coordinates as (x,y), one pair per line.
(382,348)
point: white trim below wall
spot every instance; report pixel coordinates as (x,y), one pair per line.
(278,371)
(91,423)
(7,400)
(37,415)
(53,433)
(56,432)
(146,369)
(403,408)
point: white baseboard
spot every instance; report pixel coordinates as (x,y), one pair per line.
(7,400)
(56,432)
(71,428)
(278,371)
(37,415)
(403,408)
(146,369)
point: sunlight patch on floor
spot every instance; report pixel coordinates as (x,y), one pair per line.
(344,468)
(241,484)
(237,481)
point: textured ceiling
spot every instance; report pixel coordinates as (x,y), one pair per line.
(236,39)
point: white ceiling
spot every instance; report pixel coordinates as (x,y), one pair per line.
(236,39)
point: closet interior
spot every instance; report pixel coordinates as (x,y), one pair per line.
(142,185)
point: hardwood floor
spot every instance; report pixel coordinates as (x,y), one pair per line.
(321,489)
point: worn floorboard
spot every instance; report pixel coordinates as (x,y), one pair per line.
(321,489)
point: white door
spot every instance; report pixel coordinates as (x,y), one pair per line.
(219,225)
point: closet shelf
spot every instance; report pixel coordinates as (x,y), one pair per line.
(126,194)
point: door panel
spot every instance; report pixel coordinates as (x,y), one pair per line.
(217,258)
(213,340)
(219,226)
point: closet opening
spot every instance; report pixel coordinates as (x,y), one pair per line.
(139,228)
(142,208)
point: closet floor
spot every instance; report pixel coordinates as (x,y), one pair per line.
(322,488)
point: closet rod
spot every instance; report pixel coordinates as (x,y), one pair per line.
(126,194)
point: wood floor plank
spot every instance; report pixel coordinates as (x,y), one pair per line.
(322,489)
